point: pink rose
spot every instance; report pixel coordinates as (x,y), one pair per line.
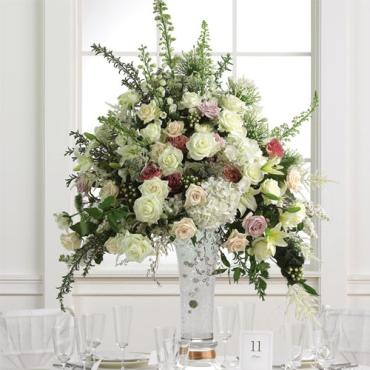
(149,171)
(179,142)
(231,173)
(275,149)
(175,182)
(220,140)
(209,110)
(254,225)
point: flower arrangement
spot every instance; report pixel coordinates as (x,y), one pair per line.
(184,150)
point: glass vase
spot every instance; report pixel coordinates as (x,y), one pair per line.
(197,260)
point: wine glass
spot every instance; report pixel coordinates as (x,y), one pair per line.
(225,318)
(95,324)
(122,323)
(63,341)
(166,347)
(83,344)
(295,340)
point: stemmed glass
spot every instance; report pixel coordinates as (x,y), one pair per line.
(225,318)
(166,347)
(83,346)
(63,341)
(122,323)
(95,324)
(295,340)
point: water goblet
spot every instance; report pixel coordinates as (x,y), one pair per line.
(95,325)
(225,318)
(83,344)
(63,341)
(295,340)
(122,324)
(166,347)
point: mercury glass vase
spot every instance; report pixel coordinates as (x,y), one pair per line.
(197,262)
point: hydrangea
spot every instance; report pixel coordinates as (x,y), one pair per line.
(221,205)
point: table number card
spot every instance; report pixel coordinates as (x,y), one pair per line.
(256,350)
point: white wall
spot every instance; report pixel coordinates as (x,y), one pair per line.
(22,245)
(21,162)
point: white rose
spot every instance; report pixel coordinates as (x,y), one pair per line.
(152,132)
(270,187)
(136,247)
(236,242)
(128,99)
(295,217)
(148,209)
(203,128)
(184,229)
(148,112)
(190,100)
(115,245)
(156,150)
(293,179)
(254,172)
(170,160)
(156,187)
(262,250)
(174,128)
(70,241)
(202,145)
(230,122)
(195,195)
(109,189)
(232,103)
(63,220)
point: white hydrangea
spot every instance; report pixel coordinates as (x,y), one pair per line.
(222,202)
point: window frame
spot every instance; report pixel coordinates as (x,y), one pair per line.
(61,112)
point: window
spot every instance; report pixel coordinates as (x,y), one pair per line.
(270,42)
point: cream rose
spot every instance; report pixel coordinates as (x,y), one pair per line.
(136,247)
(184,229)
(156,187)
(109,189)
(232,103)
(128,99)
(70,241)
(152,132)
(148,208)
(295,216)
(270,188)
(170,160)
(190,100)
(195,195)
(230,122)
(156,150)
(114,244)
(262,250)
(63,220)
(202,145)
(174,128)
(254,172)
(293,179)
(148,112)
(236,242)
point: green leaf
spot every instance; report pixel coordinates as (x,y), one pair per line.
(84,228)
(308,289)
(194,240)
(114,165)
(293,209)
(107,203)
(271,196)
(115,216)
(78,202)
(237,273)
(95,213)
(224,259)
(89,136)
(219,271)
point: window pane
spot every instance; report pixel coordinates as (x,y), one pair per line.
(274,25)
(119,25)
(285,87)
(187,18)
(101,84)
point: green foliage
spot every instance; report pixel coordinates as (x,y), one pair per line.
(223,65)
(245,90)
(286,132)
(165,27)
(131,79)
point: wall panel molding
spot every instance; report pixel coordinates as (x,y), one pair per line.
(21,284)
(358,285)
